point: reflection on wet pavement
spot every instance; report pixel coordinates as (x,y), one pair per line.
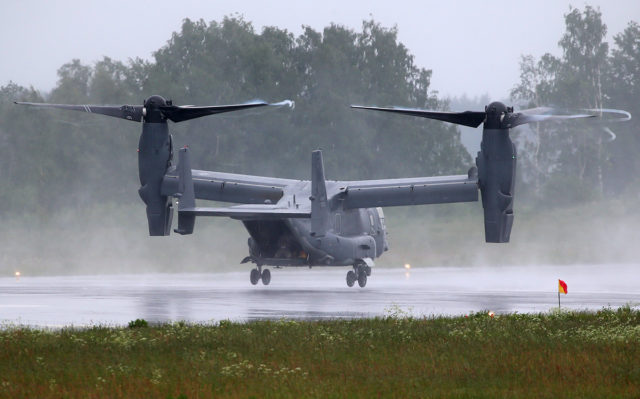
(320,293)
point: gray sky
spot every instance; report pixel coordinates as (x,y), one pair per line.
(473,47)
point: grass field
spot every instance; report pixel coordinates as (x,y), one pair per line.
(567,354)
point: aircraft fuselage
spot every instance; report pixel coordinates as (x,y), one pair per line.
(353,236)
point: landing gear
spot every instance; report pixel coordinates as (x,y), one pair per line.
(362,278)
(258,274)
(254,277)
(266,277)
(254,248)
(351,278)
(359,274)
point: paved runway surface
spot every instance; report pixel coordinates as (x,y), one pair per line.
(319,293)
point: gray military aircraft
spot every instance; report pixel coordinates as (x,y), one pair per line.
(315,222)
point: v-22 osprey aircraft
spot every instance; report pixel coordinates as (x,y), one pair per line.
(316,222)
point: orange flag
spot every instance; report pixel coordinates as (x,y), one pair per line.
(562,287)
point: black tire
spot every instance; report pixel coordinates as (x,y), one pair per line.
(254,277)
(266,277)
(351,278)
(362,279)
(368,270)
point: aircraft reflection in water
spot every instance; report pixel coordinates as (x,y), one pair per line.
(316,222)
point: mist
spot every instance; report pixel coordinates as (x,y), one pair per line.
(70,182)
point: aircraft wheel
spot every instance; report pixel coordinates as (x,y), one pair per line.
(266,277)
(362,279)
(351,278)
(367,269)
(254,276)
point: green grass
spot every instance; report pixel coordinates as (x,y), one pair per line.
(567,354)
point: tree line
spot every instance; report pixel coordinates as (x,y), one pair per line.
(55,158)
(582,161)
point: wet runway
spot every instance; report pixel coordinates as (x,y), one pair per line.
(320,293)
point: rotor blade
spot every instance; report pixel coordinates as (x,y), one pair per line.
(600,112)
(519,118)
(284,103)
(538,111)
(128,112)
(467,118)
(540,114)
(612,135)
(183,113)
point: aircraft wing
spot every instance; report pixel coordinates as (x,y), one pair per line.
(229,187)
(411,191)
(249,212)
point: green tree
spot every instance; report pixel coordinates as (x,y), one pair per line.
(537,159)
(573,159)
(324,73)
(83,159)
(585,62)
(22,179)
(623,92)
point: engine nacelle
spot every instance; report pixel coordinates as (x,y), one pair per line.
(154,158)
(159,211)
(496,177)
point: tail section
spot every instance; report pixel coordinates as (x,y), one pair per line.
(319,202)
(186,194)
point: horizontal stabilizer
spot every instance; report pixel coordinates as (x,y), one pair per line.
(250,212)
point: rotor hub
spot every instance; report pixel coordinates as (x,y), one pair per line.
(152,110)
(496,113)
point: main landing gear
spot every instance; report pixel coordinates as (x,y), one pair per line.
(258,274)
(359,273)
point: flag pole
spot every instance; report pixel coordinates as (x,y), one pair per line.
(562,289)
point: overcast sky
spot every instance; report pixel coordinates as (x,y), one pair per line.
(473,47)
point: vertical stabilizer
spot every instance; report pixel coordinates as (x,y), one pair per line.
(186,194)
(319,203)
